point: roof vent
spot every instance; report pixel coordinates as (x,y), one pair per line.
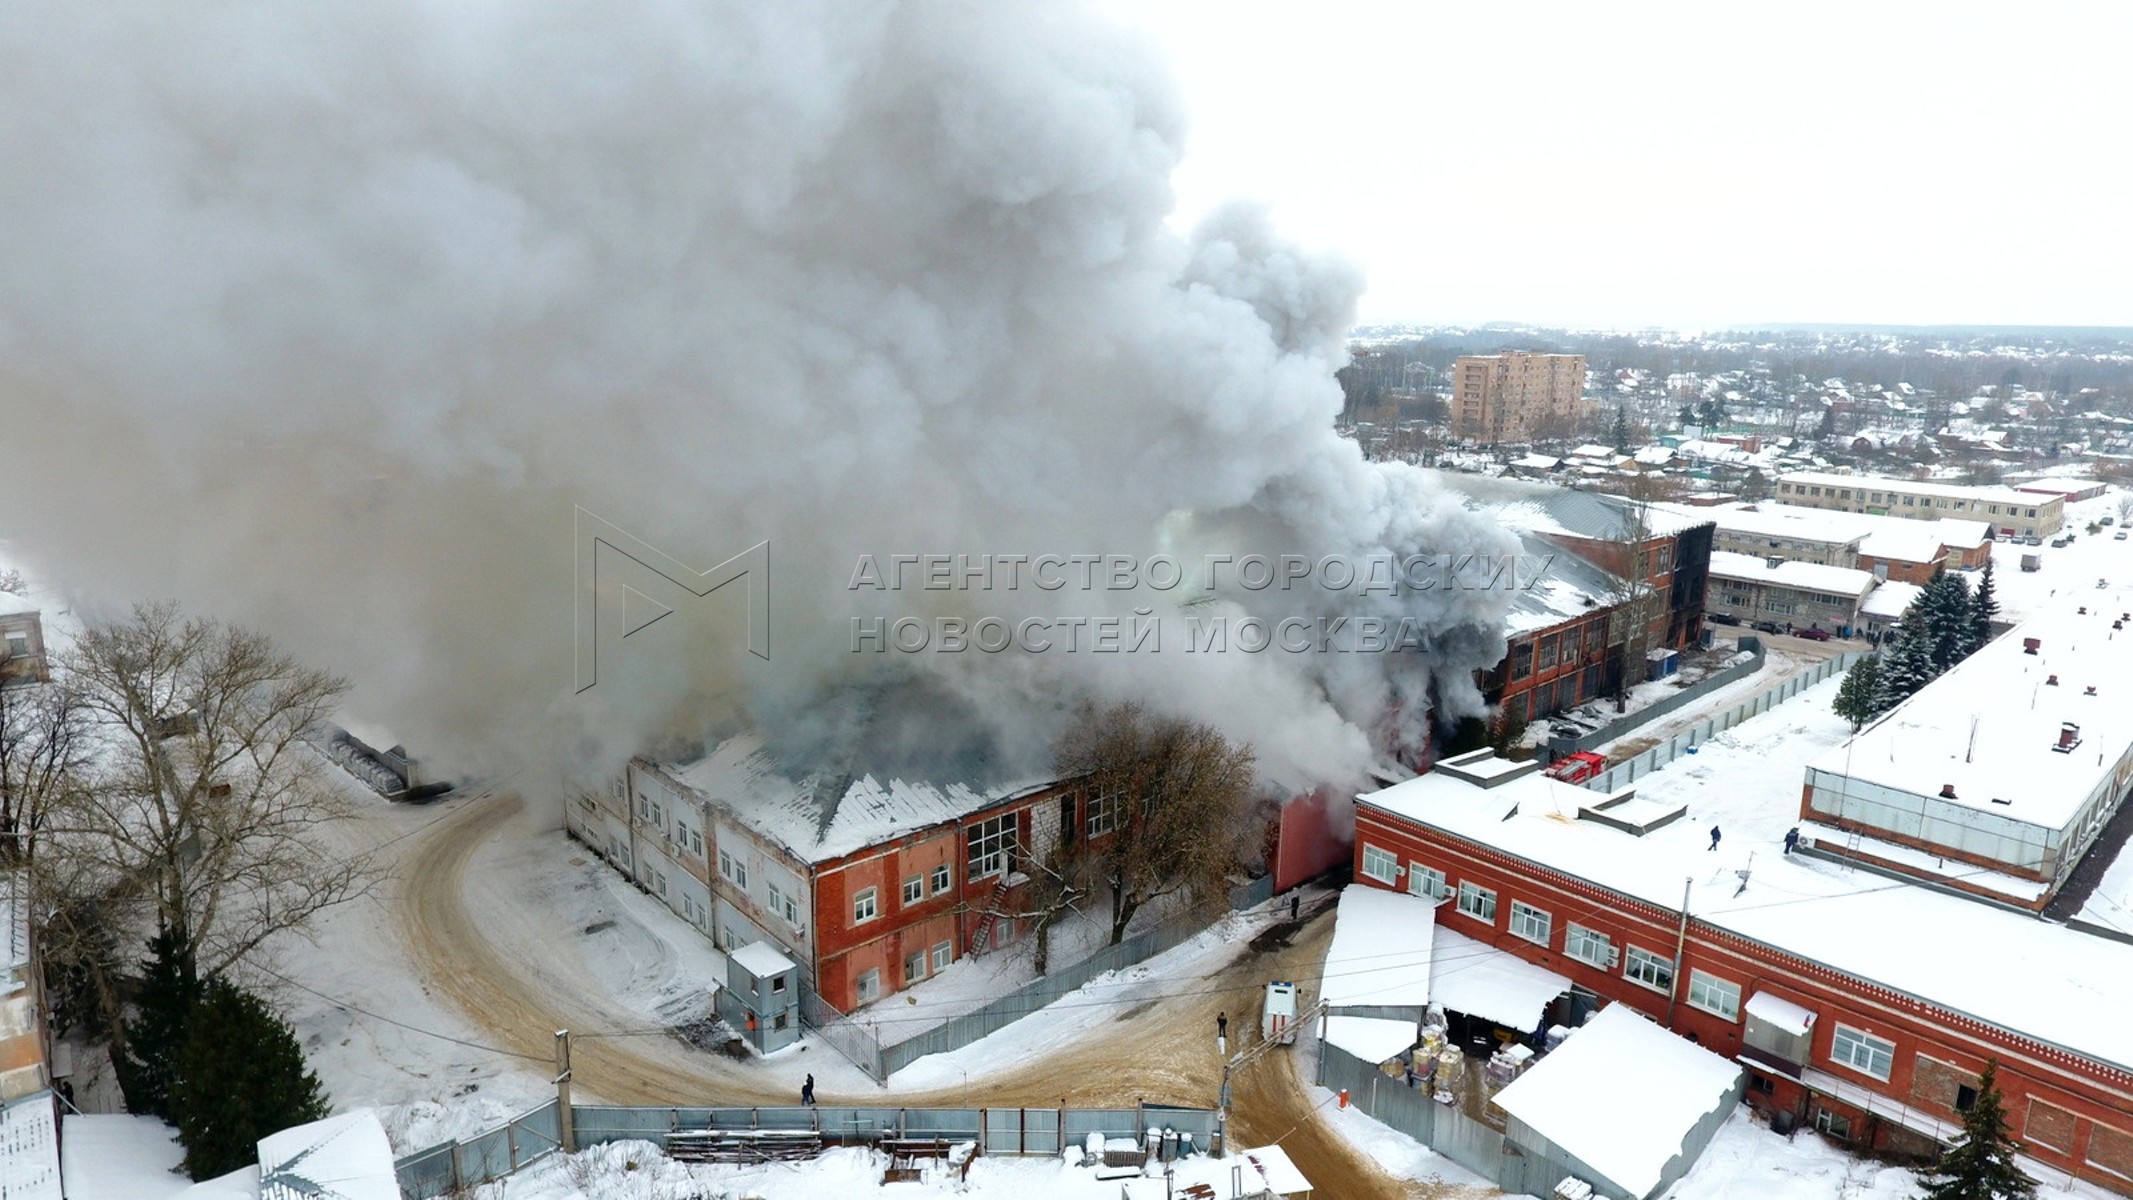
(1774,562)
(2030,645)
(2084,611)
(2090,690)
(2069,737)
(1947,791)
(2051,681)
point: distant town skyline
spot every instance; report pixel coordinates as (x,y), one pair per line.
(1678,166)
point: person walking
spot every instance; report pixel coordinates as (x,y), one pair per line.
(1295,904)
(1714,837)
(1792,839)
(807,1092)
(1222,1032)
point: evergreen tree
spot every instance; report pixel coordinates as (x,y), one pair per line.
(1981,1166)
(163,1009)
(1984,608)
(1621,431)
(241,1076)
(1855,696)
(1908,665)
(1947,604)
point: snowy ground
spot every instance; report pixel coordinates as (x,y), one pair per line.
(2076,567)
(1398,1153)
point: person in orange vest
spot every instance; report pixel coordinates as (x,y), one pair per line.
(751,1024)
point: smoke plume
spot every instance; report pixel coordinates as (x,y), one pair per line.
(325,317)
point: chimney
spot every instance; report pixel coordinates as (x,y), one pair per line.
(2051,681)
(2090,690)
(1947,791)
(2030,645)
(2084,611)
(2069,737)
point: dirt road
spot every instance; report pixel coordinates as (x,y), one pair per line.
(1164,1051)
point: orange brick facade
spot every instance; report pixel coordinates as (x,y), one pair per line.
(2074,1113)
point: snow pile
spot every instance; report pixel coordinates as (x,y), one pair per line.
(345,1156)
(1655,1086)
(120,1158)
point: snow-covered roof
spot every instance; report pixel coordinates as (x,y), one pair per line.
(1371,1039)
(1657,1087)
(1821,917)
(1780,1014)
(1569,588)
(1549,509)
(1536,462)
(1918,545)
(1594,450)
(1274,1166)
(1800,524)
(347,1157)
(1803,576)
(14,605)
(2062,487)
(117,1157)
(761,960)
(1475,978)
(1652,456)
(1381,950)
(1989,726)
(822,814)
(1890,600)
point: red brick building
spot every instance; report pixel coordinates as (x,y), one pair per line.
(868,885)
(1860,1012)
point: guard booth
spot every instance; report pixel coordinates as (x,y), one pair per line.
(761,999)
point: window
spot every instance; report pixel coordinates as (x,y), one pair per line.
(1477,902)
(1104,810)
(914,889)
(1863,1052)
(619,790)
(1647,968)
(1427,881)
(784,905)
(1547,654)
(941,879)
(692,911)
(587,801)
(1380,864)
(1838,1127)
(1714,995)
(735,871)
(1965,1097)
(1589,946)
(914,967)
(777,983)
(1521,660)
(992,843)
(943,954)
(863,908)
(659,882)
(869,986)
(1529,922)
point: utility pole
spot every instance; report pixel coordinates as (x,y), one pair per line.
(567,1134)
(1681,943)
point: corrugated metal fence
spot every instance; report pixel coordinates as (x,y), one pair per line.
(1412,1111)
(442,1170)
(1623,774)
(858,1043)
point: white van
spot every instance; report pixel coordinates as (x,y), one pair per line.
(1277,1021)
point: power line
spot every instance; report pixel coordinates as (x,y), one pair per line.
(356,1008)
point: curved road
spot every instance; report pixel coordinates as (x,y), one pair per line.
(509,996)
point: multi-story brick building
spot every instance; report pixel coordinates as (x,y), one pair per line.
(868,885)
(1863,1008)
(1517,396)
(2010,512)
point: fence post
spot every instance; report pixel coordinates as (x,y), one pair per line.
(566,1129)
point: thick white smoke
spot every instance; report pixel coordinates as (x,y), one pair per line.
(324,316)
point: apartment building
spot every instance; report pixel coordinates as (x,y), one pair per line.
(1863,1009)
(1517,396)
(2008,511)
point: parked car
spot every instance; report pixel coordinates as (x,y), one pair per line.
(2119,536)
(2033,540)
(2110,520)
(1730,619)
(1769,627)
(1812,634)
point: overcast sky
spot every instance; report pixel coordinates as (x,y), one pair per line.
(1692,166)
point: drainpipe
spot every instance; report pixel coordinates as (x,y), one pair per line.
(1681,941)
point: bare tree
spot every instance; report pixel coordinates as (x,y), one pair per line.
(1635,598)
(1181,793)
(198,820)
(44,749)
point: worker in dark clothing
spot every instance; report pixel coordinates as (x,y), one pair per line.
(1714,837)
(807,1091)
(1295,903)
(1221,1024)
(1792,839)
